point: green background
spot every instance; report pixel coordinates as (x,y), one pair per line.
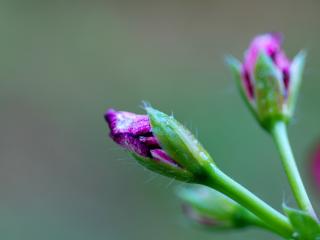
(63,63)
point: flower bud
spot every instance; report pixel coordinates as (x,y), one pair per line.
(158,142)
(179,142)
(214,210)
(268,80)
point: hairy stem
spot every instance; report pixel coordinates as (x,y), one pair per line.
(280,136)
(271,217)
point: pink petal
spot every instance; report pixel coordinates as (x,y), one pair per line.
(132,144)
(150,141)
(162,156)
(128,123)
(269,43)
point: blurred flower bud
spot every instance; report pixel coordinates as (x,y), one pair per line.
(214,210)
(158,142)
(268,80)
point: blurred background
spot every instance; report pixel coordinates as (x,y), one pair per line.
(63,63)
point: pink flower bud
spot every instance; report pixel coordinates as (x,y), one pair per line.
(269,44)
(268,80)
(134,133)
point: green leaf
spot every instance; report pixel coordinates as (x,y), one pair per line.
(269,91)
(165,169)
(235,67)
(306,227)
(296,71)
(178,142)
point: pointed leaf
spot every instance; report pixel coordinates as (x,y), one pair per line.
(165,169)
(307,228)
(178,142)
(269,90)
(296,72)
(235,67)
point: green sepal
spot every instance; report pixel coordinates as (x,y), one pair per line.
(235,67)
(178,142)
(164,168)
(269,91)
(216,208)
(296,72)
(306,227)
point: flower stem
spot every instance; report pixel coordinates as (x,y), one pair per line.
(261,224)
(223,183)
(280,136)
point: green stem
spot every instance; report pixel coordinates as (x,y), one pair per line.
(261,224)
(280,136)
(221,182)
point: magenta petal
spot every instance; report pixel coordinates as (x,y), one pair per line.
(126,128)
(150,141)
(248,84)
(128,123)
(132,144)
(133,132)
(283,64)
(162,156)
(282,61)
(269,43)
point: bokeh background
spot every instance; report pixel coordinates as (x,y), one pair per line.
(63,63)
